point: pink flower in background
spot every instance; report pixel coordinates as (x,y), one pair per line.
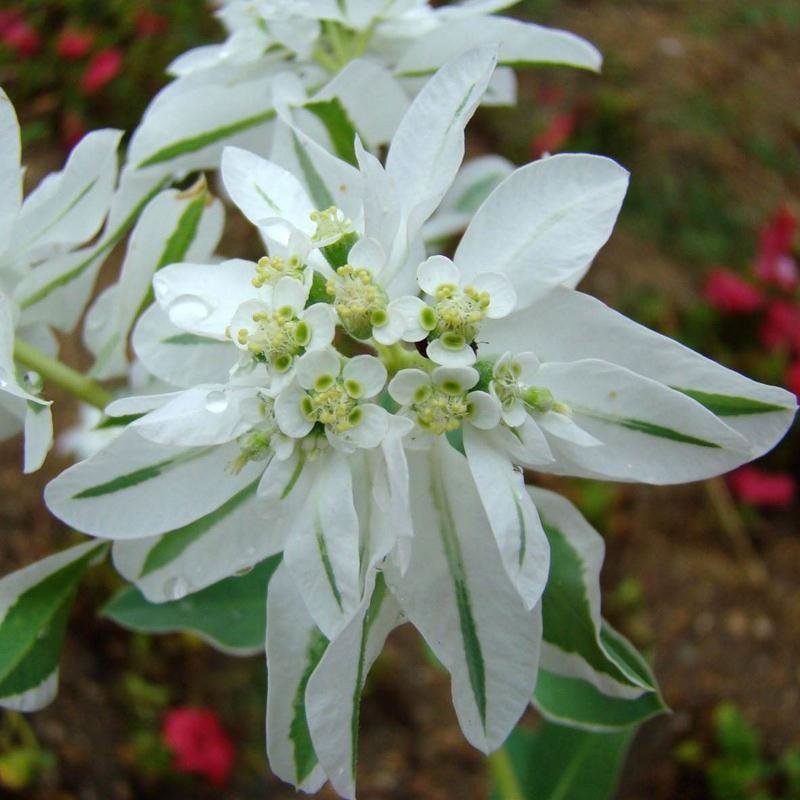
(774,263)
(553,137)
(767,489)
(21,37)
(101,70)
(149,23)
(780,329)
(793,378)
(8,18)
(199,743)
(728,292)
(74,44)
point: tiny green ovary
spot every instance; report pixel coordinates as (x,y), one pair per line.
(333,403)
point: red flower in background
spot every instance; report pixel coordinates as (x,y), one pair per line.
(73,44)
(20,36)
(730,293)
(73,128)
(199,743)
(553,137)
(774,263)
(780,329)
(793,378)
(759,488)
(101,70)
(8,18)
(149,23)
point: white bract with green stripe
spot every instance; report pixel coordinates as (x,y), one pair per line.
(354,65)
(324,451)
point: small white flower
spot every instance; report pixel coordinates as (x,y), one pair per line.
(452,322)
(280,330)
(440,402)
(332,393)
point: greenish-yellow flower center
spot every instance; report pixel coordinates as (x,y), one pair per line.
(270,269)
(456,315)
(359,301)
(440,409)
(277,337)
(333,403)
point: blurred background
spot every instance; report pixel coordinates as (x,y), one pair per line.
(699,99)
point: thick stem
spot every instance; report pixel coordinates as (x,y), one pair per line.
(67,378)
(396,357)
(505,778)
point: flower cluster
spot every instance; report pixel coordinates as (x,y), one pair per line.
(353,412)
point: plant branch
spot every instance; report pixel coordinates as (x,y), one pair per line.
(504,776)
(67,378)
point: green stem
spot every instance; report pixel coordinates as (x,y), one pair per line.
(67,378)
(396,357)
(505,778)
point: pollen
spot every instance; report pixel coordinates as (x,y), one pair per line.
(331,224)
(270,269)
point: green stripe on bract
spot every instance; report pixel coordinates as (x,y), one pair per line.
(201,140)
(649,428)
(295,476)
(76,272)
(726,405)
(32,630)
(566,612)
(305,759)
(316,186)
(140,476)
(340,127)
(455,562)
(375,603)
(476,194)
(179,241)
(523,532)
(88,188)
(322,547)
(184,339)
(267,199)
(575,702)
(174,543)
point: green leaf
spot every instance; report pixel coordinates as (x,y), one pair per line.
(230,614)
(566,609)
(194,143)
(558,763)
(37,602)
(340,127)
(305,758)
(317,188)
(577,703)
(726,405)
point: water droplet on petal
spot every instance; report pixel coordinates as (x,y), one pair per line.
(3,378)
(176,588)
(188,310)
(33,382)
(216,402)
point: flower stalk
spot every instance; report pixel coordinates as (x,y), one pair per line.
(505,779)
(56,372)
